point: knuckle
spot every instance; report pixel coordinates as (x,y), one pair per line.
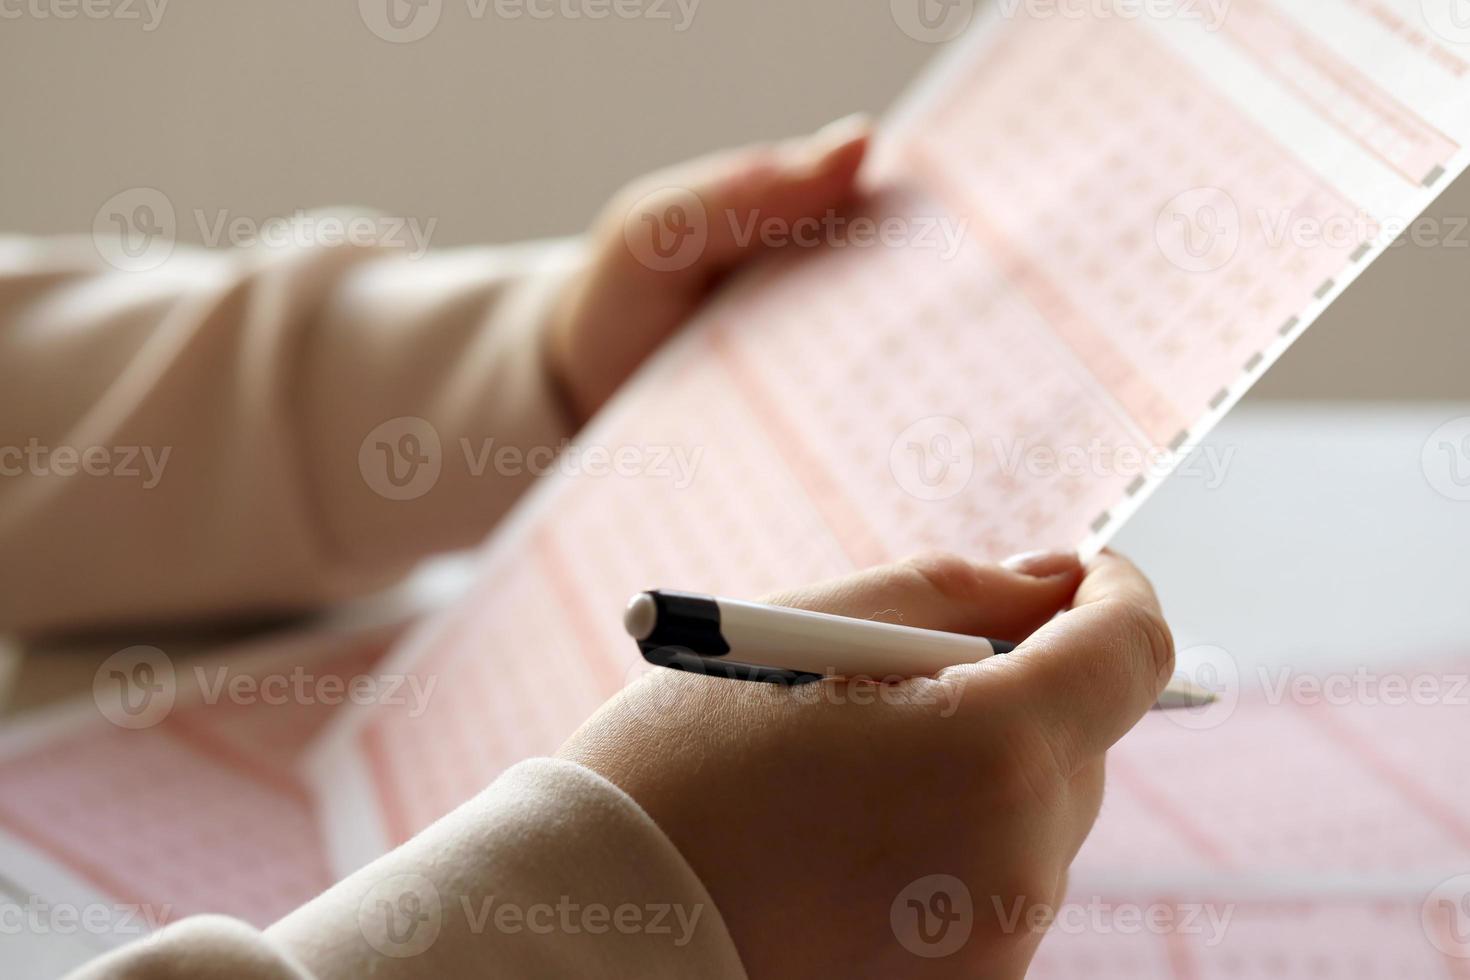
(949,574)
(1145,627)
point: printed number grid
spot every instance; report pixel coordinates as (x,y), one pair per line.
(1066,148)
(539,646)
(1059,323)
(1318,801)
(843,352)
(1069,317)
(1339,92)
(1360,789)
(202,813)
(1365,940)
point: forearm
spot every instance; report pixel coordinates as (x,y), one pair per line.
(551,872)
(210,437)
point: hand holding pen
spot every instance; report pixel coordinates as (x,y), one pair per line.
(817,817)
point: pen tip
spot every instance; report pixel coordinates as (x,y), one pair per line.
(1184,693)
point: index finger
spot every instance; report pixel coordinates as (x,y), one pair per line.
(1089,675)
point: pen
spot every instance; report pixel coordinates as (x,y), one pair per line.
(750,641)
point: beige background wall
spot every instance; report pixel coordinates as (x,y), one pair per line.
(505,128)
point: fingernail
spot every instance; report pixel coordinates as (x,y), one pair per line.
(833,136)
(842,130)
(1042,564)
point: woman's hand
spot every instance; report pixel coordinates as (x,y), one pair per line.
(667,240)
(816,816)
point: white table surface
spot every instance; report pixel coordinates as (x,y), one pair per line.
(1326,545)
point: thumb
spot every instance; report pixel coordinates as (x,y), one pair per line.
(946,592)
(1088,676)
(740,202)
(667,240)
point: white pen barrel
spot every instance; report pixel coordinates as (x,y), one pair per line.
(817,643)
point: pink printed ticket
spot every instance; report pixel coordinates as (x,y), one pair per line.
(1094,229)
(1085,235)
(1097,229)
(139,809)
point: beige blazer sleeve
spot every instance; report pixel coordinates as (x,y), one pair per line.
(258,431)
(552,873)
